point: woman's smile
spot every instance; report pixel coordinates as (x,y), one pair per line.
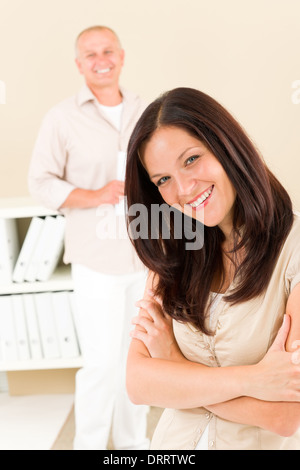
(202,199)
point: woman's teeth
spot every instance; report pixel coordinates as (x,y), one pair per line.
(202,198)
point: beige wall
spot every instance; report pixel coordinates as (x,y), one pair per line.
(245,53)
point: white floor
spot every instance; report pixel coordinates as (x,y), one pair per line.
(32,422)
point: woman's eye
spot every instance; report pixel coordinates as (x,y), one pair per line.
(191,159)
(162,180)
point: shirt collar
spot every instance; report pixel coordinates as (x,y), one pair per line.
(85,95)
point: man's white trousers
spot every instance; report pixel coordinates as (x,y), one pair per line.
(105,307)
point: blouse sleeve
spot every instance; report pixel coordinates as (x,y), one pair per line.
(292,276)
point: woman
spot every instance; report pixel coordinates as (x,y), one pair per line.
(207,345)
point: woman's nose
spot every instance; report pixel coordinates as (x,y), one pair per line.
(185,185)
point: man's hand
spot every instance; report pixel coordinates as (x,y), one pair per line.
(87,198)
(110,193)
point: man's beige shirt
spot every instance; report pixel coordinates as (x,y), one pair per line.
(243,334)
(77,147)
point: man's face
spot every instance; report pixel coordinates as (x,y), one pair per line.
(99,58)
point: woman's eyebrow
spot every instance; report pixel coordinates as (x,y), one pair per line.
(179,157)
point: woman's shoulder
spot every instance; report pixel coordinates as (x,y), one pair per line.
(290,251)
(291,254)
(295,230)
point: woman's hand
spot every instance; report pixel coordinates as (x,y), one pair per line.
(277,375)
(154,329)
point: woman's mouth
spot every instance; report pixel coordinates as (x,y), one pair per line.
(199,200)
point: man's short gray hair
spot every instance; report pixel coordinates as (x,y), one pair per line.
(95,28)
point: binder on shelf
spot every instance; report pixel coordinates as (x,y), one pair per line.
(8,341)
(45,316)
(43,241)
(32,327)
(27,248)
(64,324)
(53,250)
(20,327)
(75,316)
(10,248)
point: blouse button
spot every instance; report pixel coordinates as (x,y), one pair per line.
(211,443)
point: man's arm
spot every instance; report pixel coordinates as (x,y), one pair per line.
(46,177)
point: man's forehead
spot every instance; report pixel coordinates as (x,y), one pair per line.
(93,39)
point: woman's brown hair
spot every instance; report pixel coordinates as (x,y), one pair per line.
(262,213)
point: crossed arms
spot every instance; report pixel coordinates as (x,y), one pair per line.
(266,394)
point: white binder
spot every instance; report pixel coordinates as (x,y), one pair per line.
(9,243)
(53,250)
(75,316)
(27,249)
(32,327)
(45,316)
(8,341)
(43,241)
(64,324)
(20,327)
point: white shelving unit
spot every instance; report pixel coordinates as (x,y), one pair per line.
(26,208)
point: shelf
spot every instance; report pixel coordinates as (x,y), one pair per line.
(60,280)
(22,207)
(26,208)
(42,364)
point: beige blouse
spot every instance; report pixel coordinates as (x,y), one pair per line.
(242,335)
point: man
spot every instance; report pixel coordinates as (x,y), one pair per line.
(74,169)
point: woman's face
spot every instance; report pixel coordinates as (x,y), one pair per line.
(190,177)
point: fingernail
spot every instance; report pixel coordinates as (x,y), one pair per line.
(296,358)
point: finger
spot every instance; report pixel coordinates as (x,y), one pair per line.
(295,344)
(155,297)
(296,357)
(158,300)
(155,311)
(120,186)
(152,308)
(136,320)
(140,335)
(145,323)
(282,335)
(142,311)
